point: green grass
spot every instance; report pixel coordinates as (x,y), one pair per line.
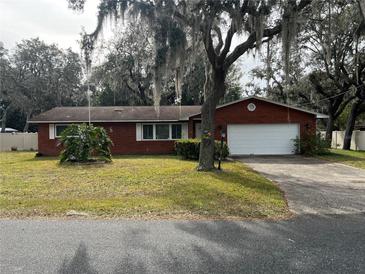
(348,157)
(134,186)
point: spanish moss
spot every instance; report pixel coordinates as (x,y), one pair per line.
(289,31)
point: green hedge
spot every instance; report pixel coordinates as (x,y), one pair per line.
(189,149)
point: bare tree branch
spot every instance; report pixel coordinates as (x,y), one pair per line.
(249,44)
(220,39)
(208,42)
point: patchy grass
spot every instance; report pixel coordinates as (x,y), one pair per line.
(134,186)
(348,157)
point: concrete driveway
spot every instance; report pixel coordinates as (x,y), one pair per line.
(314,186)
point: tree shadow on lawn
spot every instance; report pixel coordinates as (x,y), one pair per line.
(56,162)
(305,244)
(91,164)
(145,156)
(232,194)
(115,161)
(250,179)
(86,165)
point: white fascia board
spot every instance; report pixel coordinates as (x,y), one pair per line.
(110,121)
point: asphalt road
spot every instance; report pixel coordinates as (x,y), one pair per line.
(305,244)
(326,236)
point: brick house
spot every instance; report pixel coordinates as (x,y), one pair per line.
(253,125)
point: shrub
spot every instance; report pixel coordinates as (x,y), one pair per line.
(189,149)
(83,143)
(217,150)
(311,144)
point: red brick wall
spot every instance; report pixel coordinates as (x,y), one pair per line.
(123,136)
(265,113)
(47,146)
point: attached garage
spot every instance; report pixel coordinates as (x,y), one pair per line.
(262,139)
(259,126)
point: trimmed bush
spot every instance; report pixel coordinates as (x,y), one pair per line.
(311,144)
(189,149)
(84,143)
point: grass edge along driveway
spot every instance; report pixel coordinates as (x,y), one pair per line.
(348,157)
(134,187)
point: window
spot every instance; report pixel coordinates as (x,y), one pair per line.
(162,131)
(148,132)
(175,131)
(59,129)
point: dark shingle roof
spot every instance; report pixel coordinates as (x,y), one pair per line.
(117,114)
(137,113)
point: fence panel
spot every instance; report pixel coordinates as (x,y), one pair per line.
(18,141)
(357,140)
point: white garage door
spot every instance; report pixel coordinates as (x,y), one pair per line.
(262,139)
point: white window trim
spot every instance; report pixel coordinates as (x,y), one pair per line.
(138,132)
(154,131)
(51,131)
(55,129)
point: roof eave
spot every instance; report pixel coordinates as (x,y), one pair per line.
(106,121)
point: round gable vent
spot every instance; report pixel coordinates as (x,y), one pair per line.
(251,107)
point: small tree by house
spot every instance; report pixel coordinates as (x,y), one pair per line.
(311,144)
(85,143)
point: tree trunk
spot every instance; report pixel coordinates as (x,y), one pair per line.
(59,99)
(350,125)
(3,120)
(329,127)
(214,90)
(26,127)
(142,94)
(206,156)
(362,8)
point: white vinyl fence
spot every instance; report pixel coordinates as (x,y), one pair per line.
(357,141)
(18,141)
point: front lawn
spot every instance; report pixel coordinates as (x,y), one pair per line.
(134,186)
(348,157)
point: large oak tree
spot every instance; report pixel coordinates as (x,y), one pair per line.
(179,26)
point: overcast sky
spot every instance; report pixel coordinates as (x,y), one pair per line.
(53,22)
(50,20)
